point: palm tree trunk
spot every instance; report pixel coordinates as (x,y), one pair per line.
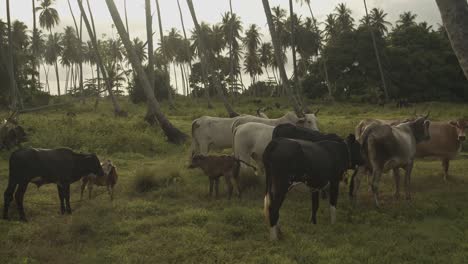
(231,55)
(34,45)
(277,49)
(46,73)
(117,110)
(377,55)
(185,38)
(293,42)
(173,134)
(455,18)
(126,18)
(175,77)
(11,71)
(79,35)
(182,77)
(161,32)
(206,64)
(150,118)
(58,77)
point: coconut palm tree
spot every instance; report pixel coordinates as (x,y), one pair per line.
(173,134)
(91,32)
(455,18)
(293,23)
(13,86)
(231,25)
(161,35)
(203,47)
(35,39)
(407,19)
(48,19)
(377,55)
(252,63)
(266,56)
(277,49)
(344,19)
(53,52)
(378,22)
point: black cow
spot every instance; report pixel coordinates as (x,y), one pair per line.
(296,132)
(317,164)
(42,166)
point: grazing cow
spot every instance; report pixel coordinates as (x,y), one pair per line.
(317,164)
(11,134)
(42,166)
(308,121)
(445,143)
(386,148)
(109,179)
(215,167)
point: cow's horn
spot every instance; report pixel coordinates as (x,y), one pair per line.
(317,111)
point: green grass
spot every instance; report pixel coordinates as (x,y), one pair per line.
(175,221)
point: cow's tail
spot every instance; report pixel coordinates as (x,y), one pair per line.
(359,130)
(195,148)
(268,179)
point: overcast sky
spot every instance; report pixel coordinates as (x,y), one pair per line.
(250,11)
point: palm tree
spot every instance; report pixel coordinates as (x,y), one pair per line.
(266,56)
(70,50)
(79,48)
(203,47)
(187,52)
(49,18)
(34,43)
(407,19)
(377,55)
(161,33)
(91,32)
(278,56)
(53,51)
(252,63)
(173,134)
(378,22)
(13,86)
(344,19)
(293,43)
(455,17)
(231,25)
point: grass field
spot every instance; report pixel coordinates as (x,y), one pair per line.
(176,222)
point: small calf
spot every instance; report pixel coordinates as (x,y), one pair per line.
(109,179)
(215,167)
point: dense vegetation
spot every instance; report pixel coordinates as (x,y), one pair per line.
(173,220)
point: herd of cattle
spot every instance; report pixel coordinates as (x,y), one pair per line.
(288,150)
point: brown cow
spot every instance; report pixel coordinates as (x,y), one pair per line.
(445,143)
(109,179)
(215,167)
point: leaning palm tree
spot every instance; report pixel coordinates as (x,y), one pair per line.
(91,32)
(377,55)
(48,19)
(206,65)
(173,134)
(455,17)
(279,58)
(169,90)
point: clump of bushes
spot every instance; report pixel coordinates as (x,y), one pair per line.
(149,179)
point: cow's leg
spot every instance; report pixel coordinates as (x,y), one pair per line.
(409,169)
(90,189)
(83,186)
(67,198)
(334,190)
(315,206)
(352,185)
(376,174)
(7,198)
(228,177)
(61,197)
(217,187)
(19,197)
(445,166)
(274,200)
(396,177)
(211,186)
(357,182)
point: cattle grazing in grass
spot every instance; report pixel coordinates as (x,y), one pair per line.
(386,148)
(445,143)
(43,166)
(109,179)
(215,167)
(317,164)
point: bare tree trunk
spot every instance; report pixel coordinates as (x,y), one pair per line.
(277,49)
(207,66)
(377,55)
(161,32)
(455,18)
(173,134)
(117,110)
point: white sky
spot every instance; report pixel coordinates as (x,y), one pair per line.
(250,11)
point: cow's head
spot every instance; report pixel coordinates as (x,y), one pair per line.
(308,120)
(461,126)
(420,128)
(354,149)
(92,165)
(107,167)
(197,160)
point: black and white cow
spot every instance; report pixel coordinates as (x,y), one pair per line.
(317,164)
(42,166)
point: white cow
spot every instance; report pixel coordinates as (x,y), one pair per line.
(249,143)
(308,121)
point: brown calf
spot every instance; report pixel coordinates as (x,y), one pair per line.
(109,179)
(215,167)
